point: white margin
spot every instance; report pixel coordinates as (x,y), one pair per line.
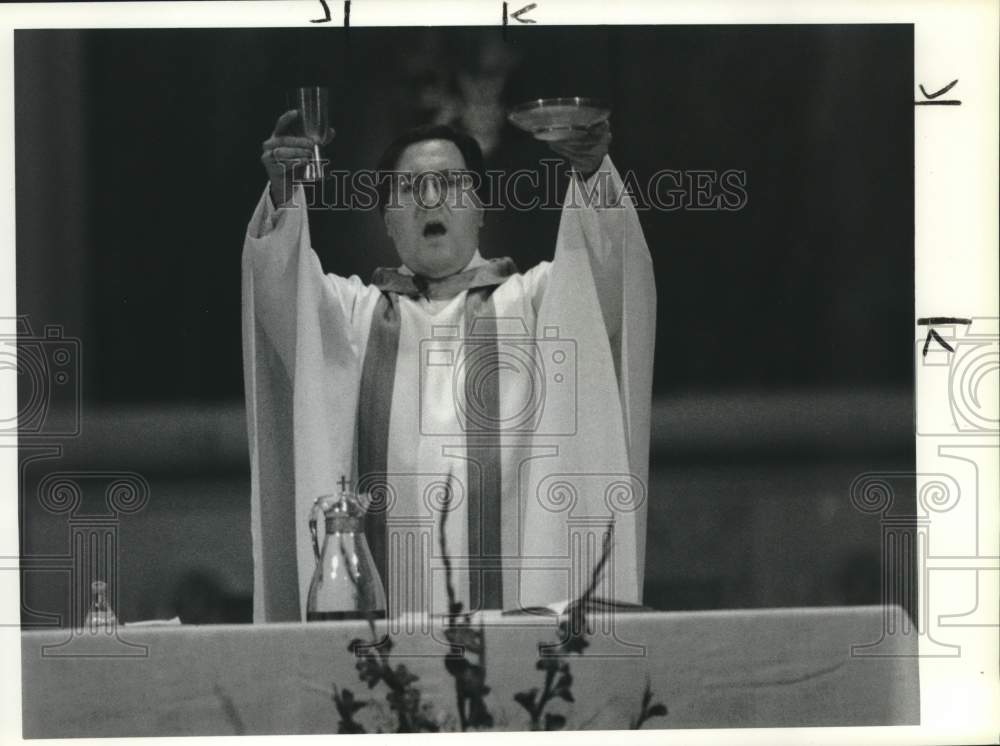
(956,199)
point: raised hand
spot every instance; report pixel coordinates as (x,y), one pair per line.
(285,156)
(586,149)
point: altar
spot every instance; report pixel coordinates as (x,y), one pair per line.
(716,669)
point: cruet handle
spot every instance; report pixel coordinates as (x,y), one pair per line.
(312,527)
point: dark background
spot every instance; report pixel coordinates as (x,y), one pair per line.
(784,347)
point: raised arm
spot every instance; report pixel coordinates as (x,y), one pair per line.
(285,155)
(281,271)
(300,363)
(587,153)
(600,282)
(611,233)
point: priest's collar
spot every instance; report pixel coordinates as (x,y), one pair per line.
(478,273)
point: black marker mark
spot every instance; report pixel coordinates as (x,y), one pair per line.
(938,93)
(931,334)
(505,21)
(932,97)
(326,10)
(347,14)
(932,320)
(516,15)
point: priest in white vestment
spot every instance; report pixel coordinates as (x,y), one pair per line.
(528,393)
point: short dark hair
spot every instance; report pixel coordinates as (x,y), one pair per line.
(389,162)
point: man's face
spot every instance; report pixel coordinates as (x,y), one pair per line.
(431,216)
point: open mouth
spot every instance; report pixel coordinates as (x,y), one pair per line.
(434,228)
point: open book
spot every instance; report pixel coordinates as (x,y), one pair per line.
(558,608)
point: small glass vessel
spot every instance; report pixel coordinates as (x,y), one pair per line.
(346,583)
(100,615)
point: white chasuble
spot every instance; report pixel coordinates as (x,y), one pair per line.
(527,393)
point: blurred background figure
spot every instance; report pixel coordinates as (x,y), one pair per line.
(459,78)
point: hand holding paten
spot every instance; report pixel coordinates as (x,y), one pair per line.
(576,128)
(584,150)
